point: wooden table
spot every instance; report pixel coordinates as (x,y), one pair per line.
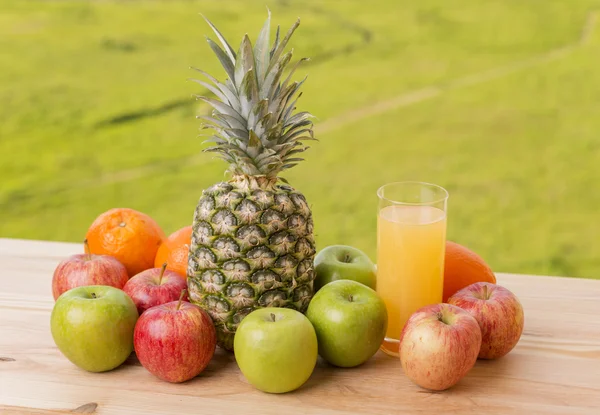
(555,368)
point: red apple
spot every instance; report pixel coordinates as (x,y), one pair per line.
(154,286)
(175,341)
(439,345)
(499,314)
(88,269)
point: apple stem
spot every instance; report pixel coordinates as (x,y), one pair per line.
(272,317)
(350,298)
(162,271)
(486,295)
(347,259)
(86,248)
(181,298)
(93,295)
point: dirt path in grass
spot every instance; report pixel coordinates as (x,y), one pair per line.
(433,91)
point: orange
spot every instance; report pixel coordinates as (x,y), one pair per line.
(174,251)
(463,267)
(128,235)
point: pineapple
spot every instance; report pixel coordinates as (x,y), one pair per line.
(252,241)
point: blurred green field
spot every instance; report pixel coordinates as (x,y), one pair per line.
(495,100)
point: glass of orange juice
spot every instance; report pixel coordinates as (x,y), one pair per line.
(411,241)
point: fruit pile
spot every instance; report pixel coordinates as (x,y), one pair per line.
(101,314)
(244,275)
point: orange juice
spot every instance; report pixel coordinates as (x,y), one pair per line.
(410,263)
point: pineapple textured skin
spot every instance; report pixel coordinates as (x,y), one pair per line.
(252,247)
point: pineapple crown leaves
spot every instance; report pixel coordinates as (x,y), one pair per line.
(255,128)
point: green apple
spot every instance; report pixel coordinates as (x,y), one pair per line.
(276,349)
(342,262)
(350,320)
(93,326)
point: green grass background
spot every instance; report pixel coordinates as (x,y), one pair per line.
(97,113)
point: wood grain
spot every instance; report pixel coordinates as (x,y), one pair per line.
(555,368)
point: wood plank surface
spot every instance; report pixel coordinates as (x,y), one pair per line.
(555,368)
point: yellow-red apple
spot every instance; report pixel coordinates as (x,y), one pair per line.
(439,345)
(175,341)
(87,269)
(499,314)
(155,286)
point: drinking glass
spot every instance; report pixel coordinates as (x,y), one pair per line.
(411,241)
